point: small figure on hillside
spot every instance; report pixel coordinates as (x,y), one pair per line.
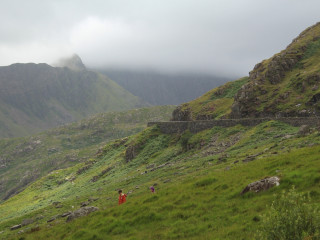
(152,189)
(122,197)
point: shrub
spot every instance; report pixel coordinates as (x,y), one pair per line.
(291,216)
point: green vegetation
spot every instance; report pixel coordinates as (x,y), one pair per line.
(291,216)
(23,160)
(197,187)
(216,103)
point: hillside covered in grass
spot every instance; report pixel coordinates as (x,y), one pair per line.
(23,160)
(214,104)
(198,180)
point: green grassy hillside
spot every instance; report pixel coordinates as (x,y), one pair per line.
(36,97)
(23,160)
(214,104)
(198,180)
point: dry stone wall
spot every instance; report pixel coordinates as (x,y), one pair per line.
(197,126)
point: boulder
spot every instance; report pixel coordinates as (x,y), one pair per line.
(52,219)
(15,227)
(83,204)
(66,214)
(262,185)
(84,211)
(150,166)
(92,199)
(304,130)
(26,222)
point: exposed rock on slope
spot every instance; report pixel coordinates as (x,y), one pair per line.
(74,63)
(286,84)
(215,104)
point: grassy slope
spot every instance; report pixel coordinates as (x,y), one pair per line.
(196,196)
(32,157)
(216,103)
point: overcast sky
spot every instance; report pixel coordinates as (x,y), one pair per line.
(213,36)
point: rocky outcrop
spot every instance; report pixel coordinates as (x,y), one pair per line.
(131,152)
(84,211)
(74,62)
(180,114)
(262,185)
(26,222)
(260,97)
(15,227)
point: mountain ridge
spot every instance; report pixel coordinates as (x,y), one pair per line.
(35,97)
(163,88)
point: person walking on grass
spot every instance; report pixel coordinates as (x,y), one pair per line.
(122,197)
(152,189)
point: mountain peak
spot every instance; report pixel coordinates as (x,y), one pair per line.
(74,62)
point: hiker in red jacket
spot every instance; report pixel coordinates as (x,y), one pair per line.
(122,197)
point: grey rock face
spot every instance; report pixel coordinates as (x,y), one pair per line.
(15,227)
(304,130)
(262,185)
(84,211)
(26,222)
(181,115)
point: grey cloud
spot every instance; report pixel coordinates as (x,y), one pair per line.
(213,36)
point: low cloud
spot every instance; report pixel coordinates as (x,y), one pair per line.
(224,37)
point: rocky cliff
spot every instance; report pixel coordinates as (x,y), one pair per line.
(285,85)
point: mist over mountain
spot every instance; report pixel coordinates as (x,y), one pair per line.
(34,97)
(159,88)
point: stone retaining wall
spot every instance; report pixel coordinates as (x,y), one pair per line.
(197,126)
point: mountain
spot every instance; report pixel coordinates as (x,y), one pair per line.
(164,89)
(210,184)
(74,63)
(286,85)
(23,160)
(34,97)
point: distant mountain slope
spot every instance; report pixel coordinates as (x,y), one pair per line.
(35,97)
(23,160)
(164,89)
